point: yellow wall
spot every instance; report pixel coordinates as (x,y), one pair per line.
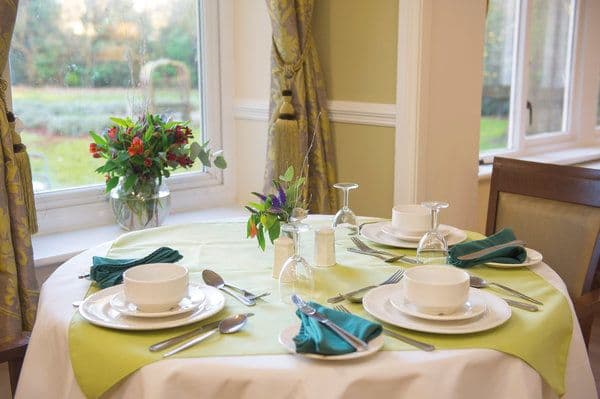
(356,42)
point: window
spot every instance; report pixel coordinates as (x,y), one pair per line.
(529,90)
(75,63)
(102,58)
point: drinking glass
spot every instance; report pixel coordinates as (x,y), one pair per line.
(296,276)
(433,248)
(345,218)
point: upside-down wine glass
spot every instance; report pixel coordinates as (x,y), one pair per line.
(345,218)
(433,247)
(296,276)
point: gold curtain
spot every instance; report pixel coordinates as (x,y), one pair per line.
(295,66)
(18,286)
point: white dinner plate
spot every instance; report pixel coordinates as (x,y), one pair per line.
(533,258)
(377,303)
(474,307)
(390,230)
(374,232)
(193,300)
(286,338)
(97,310)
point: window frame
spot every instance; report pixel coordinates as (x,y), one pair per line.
(74,208)
(576,130)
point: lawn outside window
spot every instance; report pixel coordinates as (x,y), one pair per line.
(117,58)
(540,77)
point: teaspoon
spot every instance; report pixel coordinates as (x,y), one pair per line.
(229,325)
(213,279)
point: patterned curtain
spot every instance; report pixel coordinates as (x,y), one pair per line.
(18,286)
(295,67)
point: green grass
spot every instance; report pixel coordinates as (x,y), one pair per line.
(493,133)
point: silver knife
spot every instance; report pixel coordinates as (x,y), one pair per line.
(522,305)
(180,338)
(356,342)
(486,251)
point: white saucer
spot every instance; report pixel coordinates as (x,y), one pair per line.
(474,307)
(195,299)
(374,232)
(376,302)
(286,338)
(533,258)
(390,230)
(97,310)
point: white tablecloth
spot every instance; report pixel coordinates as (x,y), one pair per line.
(472,373)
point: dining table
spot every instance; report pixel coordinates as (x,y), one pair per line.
(247,368)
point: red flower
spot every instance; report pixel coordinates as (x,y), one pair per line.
(94,148)
(171,156)
(185,161)
(136,147)
(112,133)
(182,134)
(147,162)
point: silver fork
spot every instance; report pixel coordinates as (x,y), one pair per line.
(403,338)
(393,279)
(365,248)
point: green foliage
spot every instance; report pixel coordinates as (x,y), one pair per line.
(145,150)
(266,216)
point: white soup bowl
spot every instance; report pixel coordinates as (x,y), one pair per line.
(411,219)
(156,287)
(436,289)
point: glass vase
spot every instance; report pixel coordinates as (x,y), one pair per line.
(145,205)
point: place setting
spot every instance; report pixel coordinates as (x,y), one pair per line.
(147,294)
(436,299)
(409,225)
(152,297)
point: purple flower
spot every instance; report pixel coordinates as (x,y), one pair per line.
(275,201)
(282,197)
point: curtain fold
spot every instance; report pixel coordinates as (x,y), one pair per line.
(295,67)
(18,285)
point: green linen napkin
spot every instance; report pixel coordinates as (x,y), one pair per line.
(509,255)
(107,272)
(315,337)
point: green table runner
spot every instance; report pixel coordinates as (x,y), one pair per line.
(102,357)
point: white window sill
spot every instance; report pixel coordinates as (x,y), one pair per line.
(53,249)
(571,156)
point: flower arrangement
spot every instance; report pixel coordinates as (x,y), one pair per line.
(267,215)
(148,149)
(138,155)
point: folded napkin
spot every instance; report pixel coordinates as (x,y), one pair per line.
(314,337)
(510,255)
(107,272)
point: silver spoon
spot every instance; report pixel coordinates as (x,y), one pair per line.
(213,279)
(478,282)
(226,326)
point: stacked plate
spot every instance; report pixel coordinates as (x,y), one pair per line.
(109,308)
(482,311)
(385,233)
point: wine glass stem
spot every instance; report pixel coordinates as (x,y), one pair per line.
(346,198)
(296,238)
(434,219)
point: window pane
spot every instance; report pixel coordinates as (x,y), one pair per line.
(549,45)
(75,63)
(497,74)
